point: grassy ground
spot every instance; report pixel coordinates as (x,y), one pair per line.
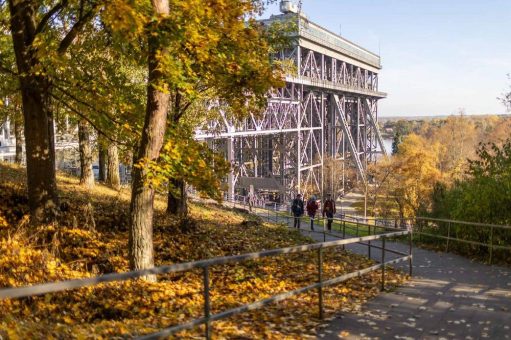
(91,237)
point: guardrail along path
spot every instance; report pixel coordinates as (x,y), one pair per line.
(448,297)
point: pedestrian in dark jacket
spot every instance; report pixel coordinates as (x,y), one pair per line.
(329,210)
(312,208)
(297,210)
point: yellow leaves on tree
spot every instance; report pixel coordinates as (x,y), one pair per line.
(184,158)
(405,181)
(456,141)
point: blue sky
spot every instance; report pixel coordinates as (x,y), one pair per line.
(437,56)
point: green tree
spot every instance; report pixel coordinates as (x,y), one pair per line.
(485,196)
(192,48)
(42,32)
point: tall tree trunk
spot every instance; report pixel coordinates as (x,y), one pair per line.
(177,199)
(86,173)
(142,197)
(18,135)
(35,90)
(113,179)
(102,159)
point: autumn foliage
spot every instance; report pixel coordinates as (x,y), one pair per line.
(431,158)
(73,248)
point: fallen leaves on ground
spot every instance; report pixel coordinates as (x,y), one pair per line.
(70,249)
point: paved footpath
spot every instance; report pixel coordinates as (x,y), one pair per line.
(449,297)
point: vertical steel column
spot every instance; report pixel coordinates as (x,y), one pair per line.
(358,126)
(230,178)
(299,129)
(343,134)
(333,143)
(322,106)
(299,120)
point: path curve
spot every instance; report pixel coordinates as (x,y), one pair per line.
(449,297)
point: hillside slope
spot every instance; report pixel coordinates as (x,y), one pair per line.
(90,238)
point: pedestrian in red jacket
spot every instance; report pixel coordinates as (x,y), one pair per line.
(312,208)
(329,210)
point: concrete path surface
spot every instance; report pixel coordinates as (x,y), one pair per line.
(449,297)
(346,204)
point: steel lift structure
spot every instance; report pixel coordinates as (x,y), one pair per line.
(327,112)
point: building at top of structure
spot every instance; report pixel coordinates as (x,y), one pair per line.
(363,65)
(319,132)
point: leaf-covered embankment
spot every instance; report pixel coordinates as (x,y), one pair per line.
(91,238)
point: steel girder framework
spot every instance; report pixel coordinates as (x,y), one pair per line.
(328,109)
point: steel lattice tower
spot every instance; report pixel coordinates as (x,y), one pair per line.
(328,108)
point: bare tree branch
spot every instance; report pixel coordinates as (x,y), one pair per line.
(77,27)
(47,17)
(73,97)
(81,115)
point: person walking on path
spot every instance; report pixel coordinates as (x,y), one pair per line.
(297,210)
(312,208)
(329,210)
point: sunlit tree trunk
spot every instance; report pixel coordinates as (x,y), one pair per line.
(86,173)
(113,179)
(142,197)
(102,159)
(38,121)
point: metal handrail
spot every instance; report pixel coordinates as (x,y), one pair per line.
(46,288)
(323,232)
(413,224)
(419,230)
(475,224)
(357,220)
(40,289)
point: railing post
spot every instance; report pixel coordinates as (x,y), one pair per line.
(448,236)
(320,280)
(410,259)
(343,232)
(369,244)
(383,263)
(420,227)
(357,227)
(207,303)
(491,244)
(324,230)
